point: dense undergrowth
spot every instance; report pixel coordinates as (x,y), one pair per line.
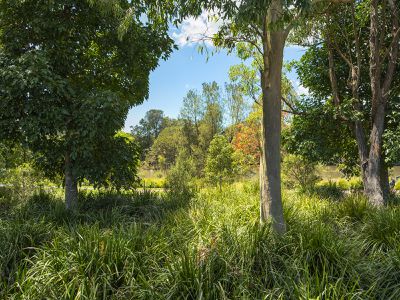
(155,246)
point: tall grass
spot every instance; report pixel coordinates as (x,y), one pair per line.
(155,246)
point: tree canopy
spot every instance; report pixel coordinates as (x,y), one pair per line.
(68,78)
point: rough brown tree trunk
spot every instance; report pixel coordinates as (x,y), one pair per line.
(384,174)
(375,190)
(381,78)
(71,185)
(362,152)
(261,177)
(271,198)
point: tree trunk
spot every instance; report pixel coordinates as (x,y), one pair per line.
(271,198)
(375,190)
(362,152)
(384,174)
(71,185)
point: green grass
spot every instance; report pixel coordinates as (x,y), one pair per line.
(155,246)
(332,172)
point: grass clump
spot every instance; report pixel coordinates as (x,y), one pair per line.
(208,245)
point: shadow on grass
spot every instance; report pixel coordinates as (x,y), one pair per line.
(328,191)
(105,208)
(29,225)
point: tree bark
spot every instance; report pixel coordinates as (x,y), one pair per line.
(384,174)
(271,81)
(375,190)
(362,152)
(71,185)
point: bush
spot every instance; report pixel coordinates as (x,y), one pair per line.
(353,184)
(21,182)
(180,177)
(220,165)
(328,189)
(356,184)
(153,183)
(298,172)
(397,186)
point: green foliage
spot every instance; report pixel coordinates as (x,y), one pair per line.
(148,246)
(299,172)
(236,103)
(20,182)
(320,137)
(118,166)
(180,178)
(397,186)
(211,124)
(66,87)
(193,108)
(220,165)
(326,132)
(153,183)
(328,189)
(148,129)
(166,147)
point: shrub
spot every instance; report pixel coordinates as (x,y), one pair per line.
(220,164)
(397,186)
(299,172)
(356,184)
(343,184)
(179,179)
(328,189)
(21,182)
(153,183)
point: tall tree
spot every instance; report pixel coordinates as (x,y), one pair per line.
(236,103)
(212,122)
(166,146)
(384,38)
(68,77)
(213,110)
(148,129)
(264,25)
(361,79)
(193,109)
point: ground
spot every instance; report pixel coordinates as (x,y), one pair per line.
(207,245)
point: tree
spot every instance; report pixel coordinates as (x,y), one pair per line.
(247,137)
(180,176)
(220,162)
(193,109)
(213,116)
(236,103)
(148,129)
(265,25)
(360,80)
(318,136)
(384,24)
(68,77)
(299,172)
(167,145)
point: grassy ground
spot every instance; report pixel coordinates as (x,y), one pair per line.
(332,173)
(211,246)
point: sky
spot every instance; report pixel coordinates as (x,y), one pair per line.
(187,69)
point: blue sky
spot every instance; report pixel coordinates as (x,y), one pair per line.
(188,69)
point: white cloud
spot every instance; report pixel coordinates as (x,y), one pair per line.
(195,30)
